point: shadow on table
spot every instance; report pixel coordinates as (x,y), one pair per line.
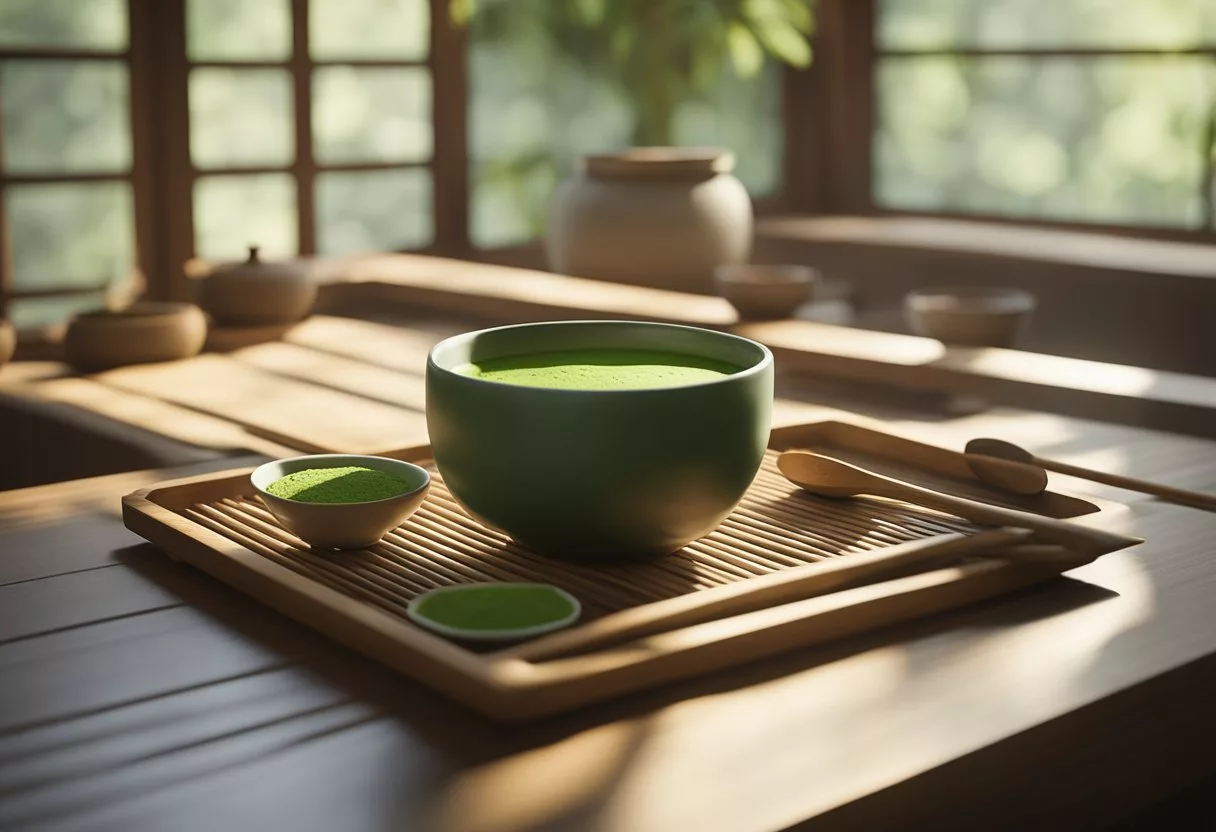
(611,735)
(469,732)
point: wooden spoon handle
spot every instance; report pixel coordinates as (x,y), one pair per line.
(1081,538)
(1195,499)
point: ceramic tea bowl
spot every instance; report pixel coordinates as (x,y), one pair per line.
(760,292)
(978,316)
(143,332)
(593,475)
(342,525)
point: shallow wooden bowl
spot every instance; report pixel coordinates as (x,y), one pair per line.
(139,334)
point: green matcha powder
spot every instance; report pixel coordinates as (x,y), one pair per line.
(496,607)
(349,484)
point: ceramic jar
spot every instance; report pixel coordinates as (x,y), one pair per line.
(663,217)
(143,332)
(257,292)
(8,341)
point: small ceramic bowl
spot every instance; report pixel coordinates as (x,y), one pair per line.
(761,292)
(341,525)
(143,332)
(980,316)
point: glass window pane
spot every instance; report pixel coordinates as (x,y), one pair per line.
(390,29)
(936,24)
(79,24)
(745,116)
(238,30)
(1112,140)
(543,94)
(65,116)
(31,313)
(371,115)
(388,210)
(233,212)
(71,234)
(241,117)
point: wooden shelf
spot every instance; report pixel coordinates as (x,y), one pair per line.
(1110,392)
(1084,249)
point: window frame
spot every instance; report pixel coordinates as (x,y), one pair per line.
(162,174)
(445,64)
(138,175)
(829,114)
(846,59)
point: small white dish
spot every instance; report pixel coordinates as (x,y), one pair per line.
(413,612)
(759,291)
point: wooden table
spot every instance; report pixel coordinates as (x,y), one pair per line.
(136,693)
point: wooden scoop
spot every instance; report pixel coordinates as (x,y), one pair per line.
(1011,468)
(830,477)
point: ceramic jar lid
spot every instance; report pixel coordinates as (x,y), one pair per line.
(661,162)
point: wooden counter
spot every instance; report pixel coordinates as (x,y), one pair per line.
(137,693)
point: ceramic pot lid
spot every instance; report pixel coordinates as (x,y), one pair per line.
(254,266)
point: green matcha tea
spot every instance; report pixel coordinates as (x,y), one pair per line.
(600,369)
(346,484)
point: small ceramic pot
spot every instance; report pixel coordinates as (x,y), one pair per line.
(341,525)
(593,475)
(8,342)
(257,292)
(655,216)
(760,292)
(978,316)
(143,332)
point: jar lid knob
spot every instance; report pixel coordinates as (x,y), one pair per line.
(253,254)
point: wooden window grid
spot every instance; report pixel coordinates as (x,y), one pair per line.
(162,173)
(445,65)
(829,120)
(841,90)
(127,57)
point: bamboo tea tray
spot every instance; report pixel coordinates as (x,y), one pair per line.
(786,570)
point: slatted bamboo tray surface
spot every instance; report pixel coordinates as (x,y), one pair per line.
(779,536)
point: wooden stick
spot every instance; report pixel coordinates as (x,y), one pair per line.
(554,685)
(1086,538)
(1194,499)
(796,583)
(831,477)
